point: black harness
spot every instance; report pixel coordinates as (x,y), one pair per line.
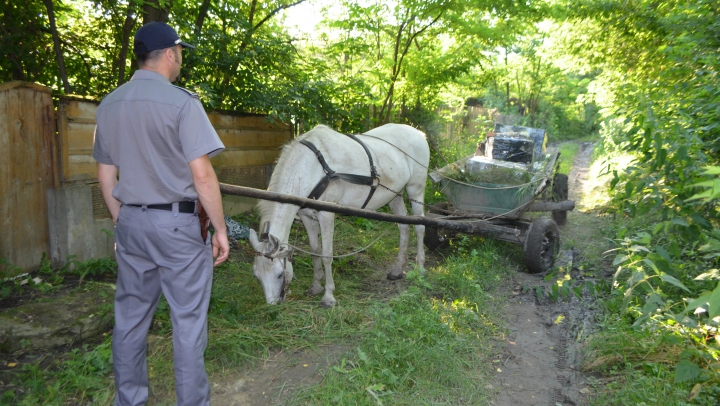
(373,180)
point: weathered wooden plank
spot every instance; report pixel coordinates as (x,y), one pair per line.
(244,158)
(21,84)
(80,136)
(470,227)
(250,176)
(81,167)
(61,141)
(250,122)
(248,139)
(76,129)
(80,110)
(81,120)
(24,176)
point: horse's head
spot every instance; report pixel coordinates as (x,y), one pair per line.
(272,267)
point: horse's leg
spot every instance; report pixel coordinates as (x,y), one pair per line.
(309,220)
(327,229)
(397,205)
(418,210)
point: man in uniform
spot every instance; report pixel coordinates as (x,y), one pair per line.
(159,138)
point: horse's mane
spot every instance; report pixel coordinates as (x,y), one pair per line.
(265,207)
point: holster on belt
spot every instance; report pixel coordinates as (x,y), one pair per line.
(204,220)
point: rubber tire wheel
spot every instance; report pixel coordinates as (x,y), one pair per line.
(541,245)
(560,193)
(432,239)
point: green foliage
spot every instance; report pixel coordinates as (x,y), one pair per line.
(83,374)
(372,64)
(25,43)
(48,279)
(20,284)
(652,384)
(530,85)
(95,267)
(657,86)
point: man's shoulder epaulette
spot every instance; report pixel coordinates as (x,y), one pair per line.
(191,94)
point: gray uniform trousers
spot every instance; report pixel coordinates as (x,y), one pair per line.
(161,252)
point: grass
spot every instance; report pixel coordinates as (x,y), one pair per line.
(568,151)
(430,344)
(638,367)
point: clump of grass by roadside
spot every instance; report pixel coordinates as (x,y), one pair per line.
(25,287)
(81,375)
(639,366)
(652,385)
(432,343)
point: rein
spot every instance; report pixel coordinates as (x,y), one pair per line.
(373,180)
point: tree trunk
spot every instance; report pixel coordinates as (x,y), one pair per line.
(248,36)
(127,28)
(152,11)
(202,14)
(398,57)
(56,45)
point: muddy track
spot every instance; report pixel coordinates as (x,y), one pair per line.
(540,359)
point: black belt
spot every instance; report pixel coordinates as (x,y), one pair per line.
(183,207)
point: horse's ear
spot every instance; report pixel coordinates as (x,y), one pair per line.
(254,240)
(283,251)
(272,245)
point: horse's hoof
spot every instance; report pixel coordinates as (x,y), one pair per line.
(311,292)
(394,277)
(326,306)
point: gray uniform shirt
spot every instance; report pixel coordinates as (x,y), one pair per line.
(150,130)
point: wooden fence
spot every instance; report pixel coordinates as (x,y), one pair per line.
(51,201)
(26,172)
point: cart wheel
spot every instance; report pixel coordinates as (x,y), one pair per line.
(541,245)
(434,240)
(560,193)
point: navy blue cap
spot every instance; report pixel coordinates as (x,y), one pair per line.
(156,35)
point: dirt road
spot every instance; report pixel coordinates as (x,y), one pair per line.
(540,360)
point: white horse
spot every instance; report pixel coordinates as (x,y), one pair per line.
(401,155)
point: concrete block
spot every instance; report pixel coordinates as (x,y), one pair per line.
(73,230)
